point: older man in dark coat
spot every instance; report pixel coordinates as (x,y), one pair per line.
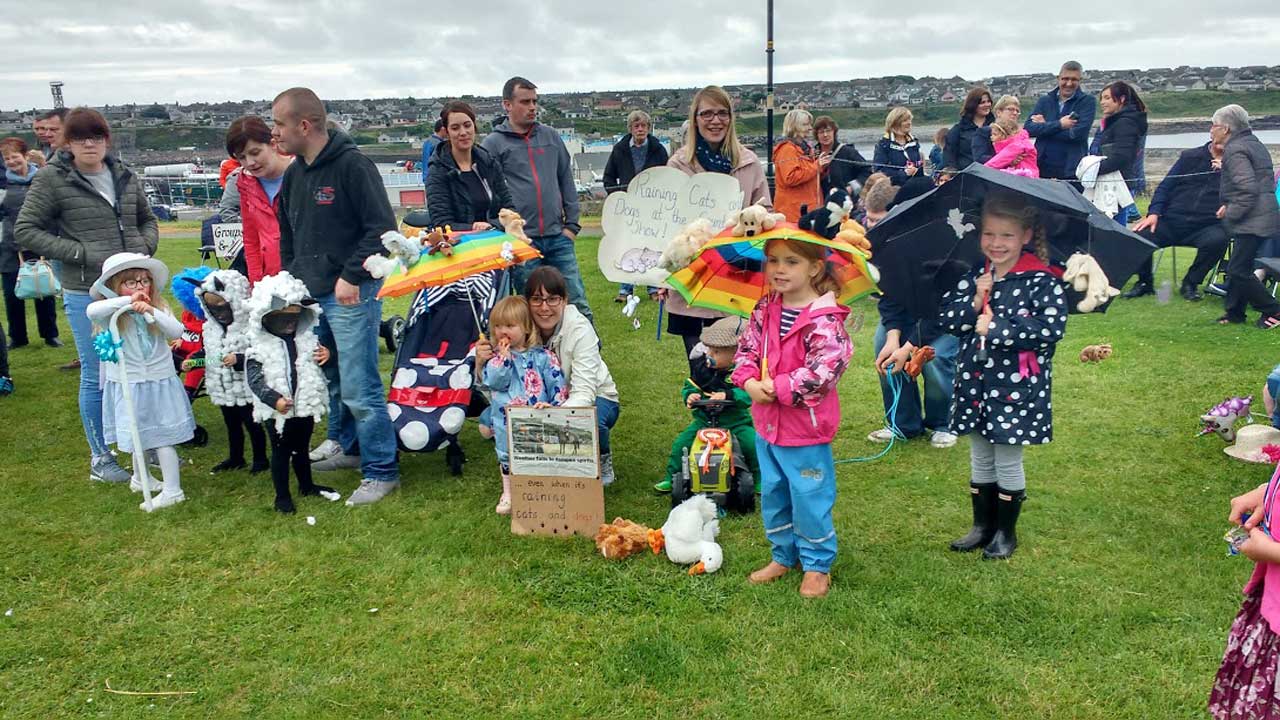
(1184,211)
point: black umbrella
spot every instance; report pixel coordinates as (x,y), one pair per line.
(924,245)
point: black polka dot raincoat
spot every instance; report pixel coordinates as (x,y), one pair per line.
(1007,398)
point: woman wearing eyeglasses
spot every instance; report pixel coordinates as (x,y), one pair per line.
(566,332)
(82,208)
(712,146)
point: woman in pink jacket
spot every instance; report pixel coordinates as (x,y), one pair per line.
(258,181)
(789,360)
(1015,153)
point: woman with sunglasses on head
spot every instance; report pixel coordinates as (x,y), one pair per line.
(712,146)
(82,208)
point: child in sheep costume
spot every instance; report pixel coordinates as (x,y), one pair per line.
(222,297)
(282,366)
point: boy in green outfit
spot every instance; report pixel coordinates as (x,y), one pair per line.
(711,382)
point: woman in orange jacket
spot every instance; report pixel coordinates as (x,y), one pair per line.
(797,168)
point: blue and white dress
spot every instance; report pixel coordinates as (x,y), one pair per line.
(161,407)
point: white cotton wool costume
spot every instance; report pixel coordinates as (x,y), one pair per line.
(312,398)
(226,386)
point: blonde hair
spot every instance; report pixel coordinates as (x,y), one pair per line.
(895,118)
(1005,101)
(513,310)
(731,148)
(825,281)
(791,123)
(1007,126)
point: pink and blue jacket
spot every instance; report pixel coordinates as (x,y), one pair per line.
(1007,152)
(805,364)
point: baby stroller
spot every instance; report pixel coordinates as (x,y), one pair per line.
(431,391)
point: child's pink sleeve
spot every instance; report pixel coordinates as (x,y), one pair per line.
(747,359)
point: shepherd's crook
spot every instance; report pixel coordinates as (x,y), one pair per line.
(139,455)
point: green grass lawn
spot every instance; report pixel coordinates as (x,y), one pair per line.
(1116,605)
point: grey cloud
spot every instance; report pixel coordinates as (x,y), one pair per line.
(128,50)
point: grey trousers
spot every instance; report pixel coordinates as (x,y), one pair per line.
(1000,464)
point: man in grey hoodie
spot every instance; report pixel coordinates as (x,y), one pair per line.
(539,174)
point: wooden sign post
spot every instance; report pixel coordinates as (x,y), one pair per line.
(555,471)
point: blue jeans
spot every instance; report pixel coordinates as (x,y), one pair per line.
(797,494)
(1273,387)
(75,304)
(351,333)
(607,412)
(557,251)
(939,378)
(630,289)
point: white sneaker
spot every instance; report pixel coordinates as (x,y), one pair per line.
(164,499)
(504,505)
(135,484)
(606,469)
(942,439)
(325,450)
(341,461)
(371,491)
(883,435)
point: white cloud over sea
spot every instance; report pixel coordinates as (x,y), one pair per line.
(130,51)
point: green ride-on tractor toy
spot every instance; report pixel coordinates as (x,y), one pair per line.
(714,466)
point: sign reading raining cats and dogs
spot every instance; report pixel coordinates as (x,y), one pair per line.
(657,204)
(555,471)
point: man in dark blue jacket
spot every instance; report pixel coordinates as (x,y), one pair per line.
(1060,123)
(333,211)
(1184,212)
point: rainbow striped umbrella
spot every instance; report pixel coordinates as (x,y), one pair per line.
(476,252)
(728,274)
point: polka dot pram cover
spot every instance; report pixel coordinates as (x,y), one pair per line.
(432,384)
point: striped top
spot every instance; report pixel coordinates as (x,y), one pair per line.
(788,318)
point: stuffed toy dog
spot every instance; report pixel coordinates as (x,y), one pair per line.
(686,245)
(1086,276)
(753,220)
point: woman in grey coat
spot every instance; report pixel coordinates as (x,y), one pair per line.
(82,208)
(1249,211)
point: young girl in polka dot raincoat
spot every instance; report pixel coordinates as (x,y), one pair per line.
(1009,315)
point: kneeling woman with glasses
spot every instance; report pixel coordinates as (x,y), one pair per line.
(566,332)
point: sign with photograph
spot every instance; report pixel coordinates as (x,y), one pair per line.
(228,238)
(555,471)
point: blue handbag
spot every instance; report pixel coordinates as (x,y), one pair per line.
(37,280)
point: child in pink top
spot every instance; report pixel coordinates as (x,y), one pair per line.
(1015,153)
(1245,686)
(790,359)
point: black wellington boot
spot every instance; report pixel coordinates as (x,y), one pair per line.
(1008,506)
(984,518)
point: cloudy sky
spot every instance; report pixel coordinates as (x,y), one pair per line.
(189,50)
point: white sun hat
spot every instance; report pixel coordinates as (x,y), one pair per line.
(129,261)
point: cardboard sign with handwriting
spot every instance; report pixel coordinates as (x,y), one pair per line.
(638,224)
(555,471)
